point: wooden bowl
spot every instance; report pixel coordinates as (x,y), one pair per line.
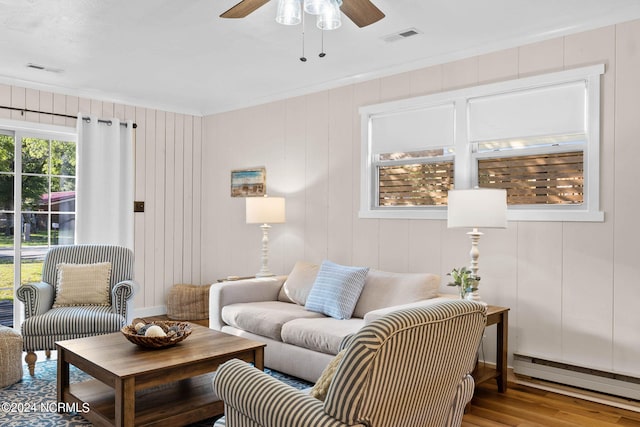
(183,331)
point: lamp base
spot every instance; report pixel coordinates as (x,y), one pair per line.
(264,260)
(475,296)
(475,254)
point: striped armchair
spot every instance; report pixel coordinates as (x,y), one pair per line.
(44,324)
(408,368)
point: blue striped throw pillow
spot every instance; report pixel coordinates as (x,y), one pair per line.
(336,290)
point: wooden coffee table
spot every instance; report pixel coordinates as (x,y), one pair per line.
(133,386)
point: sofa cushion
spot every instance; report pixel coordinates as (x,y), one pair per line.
(299,283)
(324,335)
(336,290)
(384,289)
(264,318)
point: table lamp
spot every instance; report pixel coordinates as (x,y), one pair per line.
(477,208)
(265,210)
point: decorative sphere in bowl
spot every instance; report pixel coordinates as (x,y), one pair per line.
(156,334)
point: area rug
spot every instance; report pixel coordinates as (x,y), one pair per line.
(32,401)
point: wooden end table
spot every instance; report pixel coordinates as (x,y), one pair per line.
(133,386)
(498,316)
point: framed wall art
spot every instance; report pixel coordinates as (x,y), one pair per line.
(248,182)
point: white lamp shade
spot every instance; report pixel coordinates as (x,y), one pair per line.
(477,208)
(265,210)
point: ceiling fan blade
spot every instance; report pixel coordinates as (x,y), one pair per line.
(361,12)
(243,8)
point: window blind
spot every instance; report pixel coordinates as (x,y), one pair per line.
(552,110)
(413,130)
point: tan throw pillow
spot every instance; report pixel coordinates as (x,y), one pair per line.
(321,388)
(299,283)
(83,284)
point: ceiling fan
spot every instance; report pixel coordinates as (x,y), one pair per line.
(361,12)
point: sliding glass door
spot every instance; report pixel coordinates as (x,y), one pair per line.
(37,206)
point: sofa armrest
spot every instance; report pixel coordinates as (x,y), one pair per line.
(37,298)
(376,314)
(122,298)
(246,290)
(268,402)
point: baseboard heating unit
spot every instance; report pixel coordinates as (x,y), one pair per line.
(575,376)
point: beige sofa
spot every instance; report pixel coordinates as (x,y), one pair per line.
(302,342)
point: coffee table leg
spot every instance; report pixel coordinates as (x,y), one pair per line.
(125,402)
(63,375)
(258,356)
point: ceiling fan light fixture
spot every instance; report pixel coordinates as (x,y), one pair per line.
(289,12)
(314,7)
(330,18)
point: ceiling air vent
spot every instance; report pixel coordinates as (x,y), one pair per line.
(43,68)
(400,35)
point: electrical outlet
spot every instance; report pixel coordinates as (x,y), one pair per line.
(138,206)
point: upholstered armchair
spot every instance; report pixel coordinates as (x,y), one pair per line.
(408,368)
(51,316)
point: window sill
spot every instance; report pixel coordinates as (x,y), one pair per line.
(407,213)
(546,215)
(554,215)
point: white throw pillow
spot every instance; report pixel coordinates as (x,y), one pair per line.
(82,284)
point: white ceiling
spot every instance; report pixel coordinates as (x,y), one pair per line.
(178,55)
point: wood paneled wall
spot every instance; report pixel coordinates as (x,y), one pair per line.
(571,286)
(168,167)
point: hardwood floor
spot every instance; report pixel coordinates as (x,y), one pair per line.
(526,406)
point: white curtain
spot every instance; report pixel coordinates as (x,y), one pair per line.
(105,182)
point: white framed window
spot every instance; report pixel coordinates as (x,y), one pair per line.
(413,168)
(537,137)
